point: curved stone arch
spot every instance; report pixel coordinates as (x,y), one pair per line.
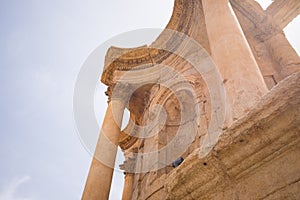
(129,135)
(185,19)
(189,99)
(154,124)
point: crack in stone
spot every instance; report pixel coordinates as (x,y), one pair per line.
(281,188)
(224,173)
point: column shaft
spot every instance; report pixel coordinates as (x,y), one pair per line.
(284,54)
(243,80)
(128,186)
(101,171)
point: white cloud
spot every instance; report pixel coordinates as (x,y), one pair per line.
(10,191)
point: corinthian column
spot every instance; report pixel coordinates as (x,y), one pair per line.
(243,80)
(101,171)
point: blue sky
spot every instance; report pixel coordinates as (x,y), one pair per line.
(43,45)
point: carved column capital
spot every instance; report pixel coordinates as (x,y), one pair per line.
(129,164)
(119,91)
(108,93)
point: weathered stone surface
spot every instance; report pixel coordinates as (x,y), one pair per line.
(284,11)
(257,155)
(256,158)
(263,29)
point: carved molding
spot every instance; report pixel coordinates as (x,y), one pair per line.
(129,164)
(119,91)
(186,18)
(265,27)
(284,11)
(129,136)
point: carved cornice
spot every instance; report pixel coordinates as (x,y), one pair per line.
(284,11)
(184,20)
(127,59)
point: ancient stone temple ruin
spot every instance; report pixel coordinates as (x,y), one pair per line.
(214,107)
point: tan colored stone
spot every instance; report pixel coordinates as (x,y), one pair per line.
(243,80)
(284,11)
(256,156)
(100,175)
(128,186)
